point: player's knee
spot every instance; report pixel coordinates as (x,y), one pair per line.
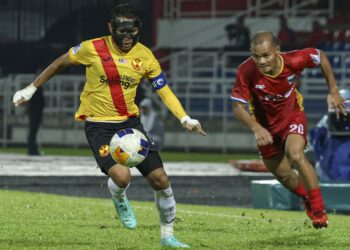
(295,157)
(121,182)
(162,182)
(288,177)
(120,178)
(159,181)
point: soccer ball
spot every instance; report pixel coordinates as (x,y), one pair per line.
(129,147)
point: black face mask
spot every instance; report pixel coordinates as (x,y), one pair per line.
(125,29)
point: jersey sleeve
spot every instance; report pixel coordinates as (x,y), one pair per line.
(155,75)
(307,58)
(240,91)
(81,54)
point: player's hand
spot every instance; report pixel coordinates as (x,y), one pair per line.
(262,136)
(336,103)
(23,95)
(192,125)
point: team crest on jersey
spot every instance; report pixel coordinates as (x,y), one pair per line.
(104,151)
(291,79)
(137,64)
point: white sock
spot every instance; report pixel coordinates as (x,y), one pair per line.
(166,230)
(116,191)
(166,206)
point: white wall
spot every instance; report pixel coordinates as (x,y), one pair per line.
(210,33)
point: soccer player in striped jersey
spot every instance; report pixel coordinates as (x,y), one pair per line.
(115,65)
(267,82)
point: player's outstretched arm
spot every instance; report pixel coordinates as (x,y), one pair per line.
(24,95)
(262,136)
(334,99)
(174,105)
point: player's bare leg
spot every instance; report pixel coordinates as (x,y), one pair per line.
(295,153)
(279,166)
(289,178)
(117,184)
(166,206)
(295,145)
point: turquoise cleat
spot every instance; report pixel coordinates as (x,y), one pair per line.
(173,242)
(125,212)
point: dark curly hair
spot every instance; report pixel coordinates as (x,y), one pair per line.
(125,10)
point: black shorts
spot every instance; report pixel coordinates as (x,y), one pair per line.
(99,134)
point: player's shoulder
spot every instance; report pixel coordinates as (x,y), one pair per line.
(294,57)
(299,52)
(143,48)
(89,43)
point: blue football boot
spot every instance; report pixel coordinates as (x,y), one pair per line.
(171,241)
(125,212)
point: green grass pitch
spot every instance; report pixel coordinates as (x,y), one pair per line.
(43,221)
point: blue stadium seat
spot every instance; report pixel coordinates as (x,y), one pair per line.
(328,46)
(315,106)
(347,66)
(338,47)
(315,73)
(230,74)
(203,73)
(218,105)
(199,105)
(336,62)
(347,46)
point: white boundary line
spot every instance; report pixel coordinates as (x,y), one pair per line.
(190,212)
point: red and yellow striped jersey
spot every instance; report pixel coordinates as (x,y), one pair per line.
(112,78)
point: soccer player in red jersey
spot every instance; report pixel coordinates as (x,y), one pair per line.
(115,65)
(267,82)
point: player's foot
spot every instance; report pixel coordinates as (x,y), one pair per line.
(320,220)
(171,241)
(307,207)
(125,212)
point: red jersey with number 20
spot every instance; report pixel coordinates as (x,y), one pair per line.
(274,99)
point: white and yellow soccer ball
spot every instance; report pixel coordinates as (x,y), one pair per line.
(129,147)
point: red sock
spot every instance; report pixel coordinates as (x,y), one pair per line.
(316,200)
(300,190)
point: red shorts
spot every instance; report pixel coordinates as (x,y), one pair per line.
(296,125)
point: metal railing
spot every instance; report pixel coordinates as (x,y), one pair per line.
(197,74)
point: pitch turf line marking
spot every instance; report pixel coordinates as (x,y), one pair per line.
(213,214)
(186,211)
(255,217)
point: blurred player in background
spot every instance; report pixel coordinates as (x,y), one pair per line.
(286,35)
(115,65)
(35,111)
(266,81)
(152,123)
